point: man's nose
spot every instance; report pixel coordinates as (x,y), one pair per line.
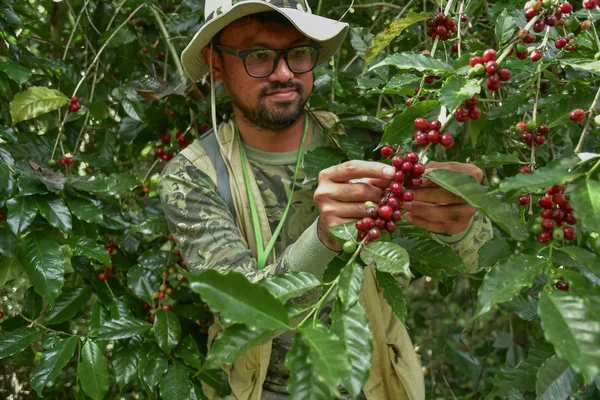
(282,72)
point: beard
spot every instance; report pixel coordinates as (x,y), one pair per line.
(281,116)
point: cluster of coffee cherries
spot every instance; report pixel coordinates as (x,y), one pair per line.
(67,160)
(441,26)
(162,152)
(590,4)
(487,63)
(550,14)
(468,110)
(555,217)
(408,101)
(430,133)
(561,42)
(526,38)
(530,133)
(113,250)
(74,106)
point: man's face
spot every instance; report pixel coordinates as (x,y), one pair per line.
(276,101)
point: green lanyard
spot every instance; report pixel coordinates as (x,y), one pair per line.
(263,253)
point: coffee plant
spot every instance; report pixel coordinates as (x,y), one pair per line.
(97,302)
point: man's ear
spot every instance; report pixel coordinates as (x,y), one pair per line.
(217,62)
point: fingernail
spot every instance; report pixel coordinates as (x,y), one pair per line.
(408,218)
(389,171)
(407,205)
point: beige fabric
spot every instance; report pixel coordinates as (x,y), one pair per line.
(395,373)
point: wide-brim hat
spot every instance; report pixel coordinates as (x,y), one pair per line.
(220,13)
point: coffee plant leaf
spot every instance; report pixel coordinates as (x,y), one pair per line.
(392,293)
(522,377)
(21,212)
(9,243)
(493,251)
(383,39)
(585,200)
(52,362)
(573,327)
(510,105)
(44,263)
(55,211)
(124,361)
(349,284)
(304,381)
(388,257)
(402,126)
(344,232)
(506,279)
(15,71)
(327,353)
(85,209)
(92,371)
(234,341)
(96,184)
(35,101)
(175,384)
(189,352)
(130,129)
(319,159)
(412,61)
(122,35)
(68,304)
(555,380)
(555,173)
(12,342)
(32,303)
(142,282)
(153,259)
(585,260)
(465,186)
(289,285)
(7,182)
(523,305)
(10,268)
(457,89)
(429,258)
(152,225)
(583,65)
(167,330)
(153,365)
(84,246)
(98,316)
(353,148)
(122,329)
(507,24)
(364,122)
(496,160)
(352,327)
(239,300)
(217,379)
(30,184)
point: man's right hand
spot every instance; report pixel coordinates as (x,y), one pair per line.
(342,192)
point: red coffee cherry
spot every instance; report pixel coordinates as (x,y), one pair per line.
(421,124)
(570,233)
(525,170)
(562,285)
(489,55)
(577,115)
(387,151)
(447,141)
(102,276)
(545,202)
(435,125)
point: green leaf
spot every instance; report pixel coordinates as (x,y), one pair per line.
(92,371)
(123,35)
(153,259)
(129,129)
(32,303)
(125,357)
(419,62)
(52,363)
(188,351)
(464,185)
(496,160)
(153,366)
(573,327)
(319,159)
(506,279)
(122,328)
(327,353)
(239,300)
(392,293)
(35,101)
(585,200)
(352,327)
(10,269)
(363,122)
(87,247)
(85,210)
(68,304)
(344,232)
(555,173)
(458,89)
(523,305)
(15,71)
(56,213)
(304,381)
(353,148)
(142,282)
(506,26)
(234,341)
(555,380)
(97,317)
(383,39)
(290,285)
(402,126)
(90,184)
(591,67)
(349,284)
(21,212)
(167,330)
(493,251)
(30,184)
(175,385)
(509,106)
(152,225)
(12,342)
(388,257)
(44,263)
(522,377)
(429,258)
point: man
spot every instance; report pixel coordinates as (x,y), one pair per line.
(263,52)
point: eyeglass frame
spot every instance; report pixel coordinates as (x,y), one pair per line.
(245,53)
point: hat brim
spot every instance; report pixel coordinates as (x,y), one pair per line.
(328,32)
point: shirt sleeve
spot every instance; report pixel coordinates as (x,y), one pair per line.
(204,229)
(466,244)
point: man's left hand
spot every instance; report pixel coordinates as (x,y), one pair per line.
(435,208)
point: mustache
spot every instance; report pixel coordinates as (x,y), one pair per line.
(299,87)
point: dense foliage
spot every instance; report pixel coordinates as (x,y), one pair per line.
(97,302)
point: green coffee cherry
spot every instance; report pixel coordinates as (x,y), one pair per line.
(538,220)
(521,47)
(350,246)
(536,228)
(63,138)
(531,125)
(558,234)
(480,68)
(52,162)
(597,120)
(597,56)
(370,204)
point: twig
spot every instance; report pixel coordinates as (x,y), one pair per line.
(173,51)
(75,25)
(586,131)
(594,29)
(43,326)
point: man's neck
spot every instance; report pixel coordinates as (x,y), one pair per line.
(272,141)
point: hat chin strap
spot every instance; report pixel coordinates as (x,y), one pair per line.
(213,96)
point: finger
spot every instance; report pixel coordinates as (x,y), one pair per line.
(436,195)
(356,169)
(441,212)
(380,183)
(448,227)
(355,192)
(338,209)
(470,169)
